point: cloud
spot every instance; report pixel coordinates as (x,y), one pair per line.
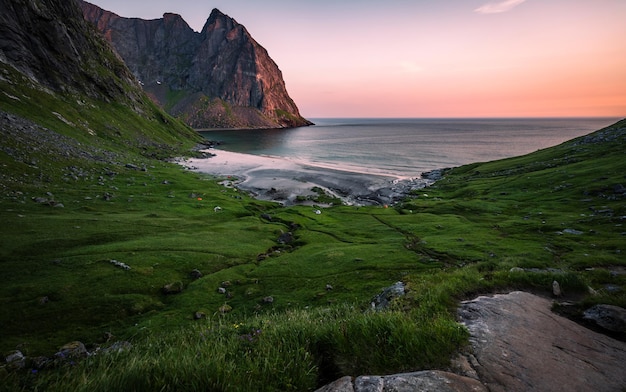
(496,8)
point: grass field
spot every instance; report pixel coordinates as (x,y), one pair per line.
(274,314)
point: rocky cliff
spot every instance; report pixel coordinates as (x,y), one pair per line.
(49,42)
(219,77)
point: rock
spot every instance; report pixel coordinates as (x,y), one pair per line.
(384,299)
(423,381)
(516,269)
(225,309)
(556,288)
(15,360)
(267,217)
(221,290)
(344,384)
(572,231)
(199,315)
(285,238)
(72,350)
(224,78)
(610,317)
(195,274)
(520,345)
(118,347)
(329,287)
(268,300)
(172,288)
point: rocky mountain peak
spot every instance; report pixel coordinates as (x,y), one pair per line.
(219,77)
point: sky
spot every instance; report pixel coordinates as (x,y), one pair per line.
(432,58)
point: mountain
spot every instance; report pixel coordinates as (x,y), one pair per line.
(68,103)
(217,78)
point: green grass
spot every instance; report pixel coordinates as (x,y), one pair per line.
(462,239)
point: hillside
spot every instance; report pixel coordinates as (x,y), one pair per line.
(217,78)
(176,281)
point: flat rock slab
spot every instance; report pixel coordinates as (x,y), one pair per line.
(520,345)
(424,381)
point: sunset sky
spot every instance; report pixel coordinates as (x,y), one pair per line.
(432,58)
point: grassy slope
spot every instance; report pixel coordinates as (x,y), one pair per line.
(474,225)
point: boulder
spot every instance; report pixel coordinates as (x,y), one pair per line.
(195,274)
(612,318)
(72,350)
(520,345)
(15,360)
(384,299)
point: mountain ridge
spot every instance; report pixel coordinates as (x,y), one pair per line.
(219,77)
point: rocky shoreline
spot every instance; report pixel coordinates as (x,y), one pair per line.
(291,182)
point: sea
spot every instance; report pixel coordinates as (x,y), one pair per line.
(406,147)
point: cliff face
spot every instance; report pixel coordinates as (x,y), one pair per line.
(220,77)
(50,42)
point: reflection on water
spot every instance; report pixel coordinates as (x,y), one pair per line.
(407,147)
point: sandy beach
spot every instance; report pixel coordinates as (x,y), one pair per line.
(283,180)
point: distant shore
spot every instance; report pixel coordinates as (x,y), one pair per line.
(289,182)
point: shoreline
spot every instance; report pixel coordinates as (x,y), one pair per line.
(291,182)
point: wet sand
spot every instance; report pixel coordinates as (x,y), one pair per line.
(283,180)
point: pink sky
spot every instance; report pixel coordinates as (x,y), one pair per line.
(444,58)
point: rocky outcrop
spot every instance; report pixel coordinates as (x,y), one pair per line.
(49,42)
(425,381)
(219,77)
(518,344)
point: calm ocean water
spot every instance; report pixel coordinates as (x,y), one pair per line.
(406,147)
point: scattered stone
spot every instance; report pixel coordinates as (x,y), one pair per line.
(516,269)
(221,290)
(572,231)
(225,309)
(268,300)
(118,347)
(329,287)
(610,317)
(72,350)
(384,299)
(44,300)
(120,264)
(15,360)
(195,274)
(267,217)
(285,238)
(199,315)
(217,208)
(172,288)
(556,288)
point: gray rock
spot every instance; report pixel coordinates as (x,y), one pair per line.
(72,350)
(572,231)
(556,288)
(612,318)
(384,299)
(285,238)
(424,381)
(268,300)
(172,288)
(520,345)
(344,384)
(195,274)
(15,360)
